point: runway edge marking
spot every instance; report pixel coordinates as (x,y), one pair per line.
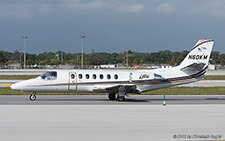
(7,84)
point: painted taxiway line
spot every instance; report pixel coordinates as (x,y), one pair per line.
(216,85)
(7,84)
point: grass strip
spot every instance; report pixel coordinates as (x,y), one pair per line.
(165,91)
(188,91)
(214,77)
(17,77)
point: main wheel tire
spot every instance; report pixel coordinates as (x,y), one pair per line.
(32,97)
(112,96)
(121,98)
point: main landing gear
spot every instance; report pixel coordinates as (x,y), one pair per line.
(120,98)
(112,96)
(33,97)
(121,94)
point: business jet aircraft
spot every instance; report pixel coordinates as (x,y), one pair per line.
(122,82)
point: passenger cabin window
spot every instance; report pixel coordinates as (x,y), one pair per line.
(116,76)
(108,76)
(49,75)
(101,76)
(87,76)
(80,76)
(72,76)
(94,76)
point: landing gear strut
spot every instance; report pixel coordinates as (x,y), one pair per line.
(121,94)
(112,96)
(33,97)
(120,98)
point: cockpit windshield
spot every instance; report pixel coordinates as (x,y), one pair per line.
(49,75)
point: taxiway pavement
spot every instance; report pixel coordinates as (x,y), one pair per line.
(95,118)
(21,72)
(103,100)
(112,122)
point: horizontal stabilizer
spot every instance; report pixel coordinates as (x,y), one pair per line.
(193,68)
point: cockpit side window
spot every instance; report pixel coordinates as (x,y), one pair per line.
(49,75)
(43,76)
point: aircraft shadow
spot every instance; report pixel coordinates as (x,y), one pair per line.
(90,100)
(128,100)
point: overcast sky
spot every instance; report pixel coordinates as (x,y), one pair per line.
(110,25)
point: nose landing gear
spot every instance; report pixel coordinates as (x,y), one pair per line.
(33,97)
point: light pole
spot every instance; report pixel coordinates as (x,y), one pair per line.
(20,61)
(127,60)
(82,52)
(24,60)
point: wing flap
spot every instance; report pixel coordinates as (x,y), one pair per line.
(130,88)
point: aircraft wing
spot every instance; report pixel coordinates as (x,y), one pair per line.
(130,88)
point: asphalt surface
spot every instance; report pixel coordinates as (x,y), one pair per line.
(112,122)
(95,118)
(103,100)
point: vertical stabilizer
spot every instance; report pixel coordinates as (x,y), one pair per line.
(198,58)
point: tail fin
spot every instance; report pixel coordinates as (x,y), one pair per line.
(196,62)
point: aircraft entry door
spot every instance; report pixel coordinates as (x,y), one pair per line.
(72,84)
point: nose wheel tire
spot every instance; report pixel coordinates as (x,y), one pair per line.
(121,98)
(32,97)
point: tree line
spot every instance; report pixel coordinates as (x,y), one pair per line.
(100,58)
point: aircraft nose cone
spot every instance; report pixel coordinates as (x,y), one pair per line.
(15,86)
(21,86)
